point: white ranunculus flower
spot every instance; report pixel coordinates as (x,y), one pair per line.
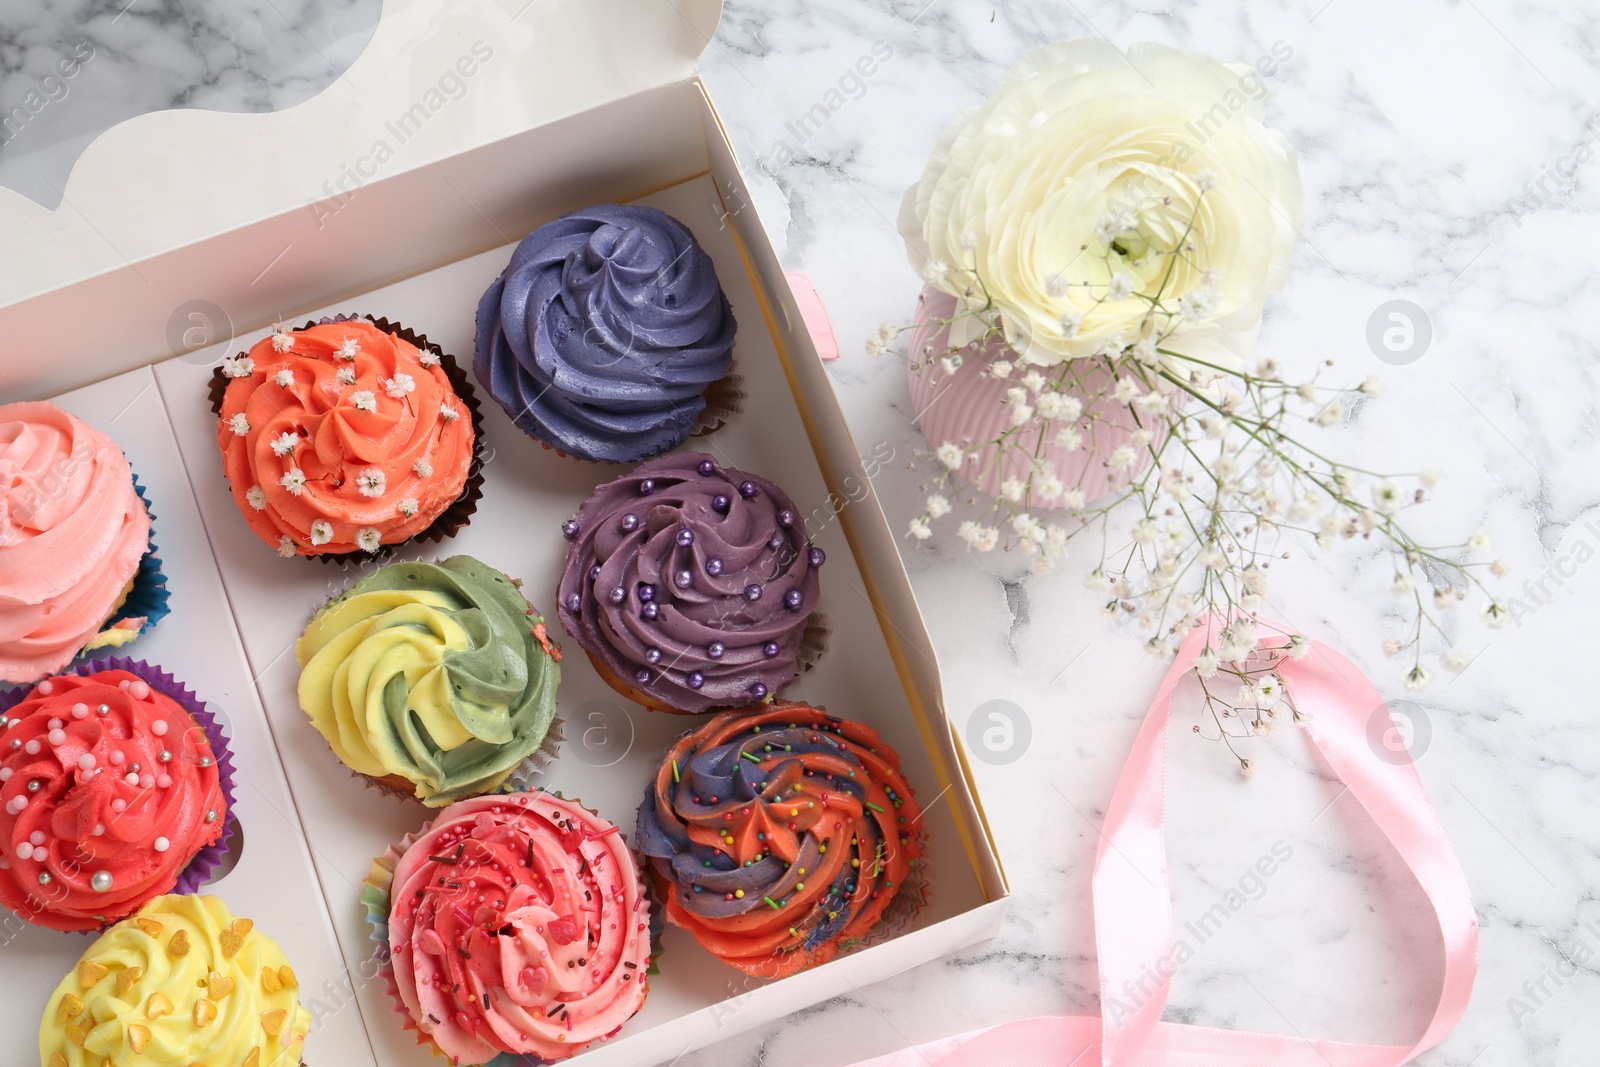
(1087,164)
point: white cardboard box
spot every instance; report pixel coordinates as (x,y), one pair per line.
(163,259)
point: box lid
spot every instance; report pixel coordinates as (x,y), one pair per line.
(439,77)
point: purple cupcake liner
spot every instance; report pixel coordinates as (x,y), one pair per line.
(203,862)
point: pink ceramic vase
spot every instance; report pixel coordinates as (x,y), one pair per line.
(969,406)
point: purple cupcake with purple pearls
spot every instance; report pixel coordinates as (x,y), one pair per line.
(690,585)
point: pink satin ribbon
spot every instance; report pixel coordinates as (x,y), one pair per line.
(813,314)
(1133,910)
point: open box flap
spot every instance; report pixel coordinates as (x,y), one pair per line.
(438,78)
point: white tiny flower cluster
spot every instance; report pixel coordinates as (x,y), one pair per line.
(1204,455)
(880,341)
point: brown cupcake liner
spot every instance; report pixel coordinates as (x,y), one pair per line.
(813,641)
(724,399)
(452,519)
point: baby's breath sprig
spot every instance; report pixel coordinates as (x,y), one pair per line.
(1216,465)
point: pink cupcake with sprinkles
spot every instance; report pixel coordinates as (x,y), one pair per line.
(114,789)
(516,926)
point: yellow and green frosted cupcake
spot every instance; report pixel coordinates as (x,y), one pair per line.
(182,982)
(432,679)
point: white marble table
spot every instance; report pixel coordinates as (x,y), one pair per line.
(1424,130)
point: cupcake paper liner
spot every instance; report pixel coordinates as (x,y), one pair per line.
(148,598)
(375,893)
(813,641)
(724,400)
(203,862)
(453,518)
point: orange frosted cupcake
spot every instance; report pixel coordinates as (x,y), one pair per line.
(347,437)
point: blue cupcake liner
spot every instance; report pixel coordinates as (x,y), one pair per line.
(149,596)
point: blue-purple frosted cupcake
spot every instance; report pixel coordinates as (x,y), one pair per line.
(608,335)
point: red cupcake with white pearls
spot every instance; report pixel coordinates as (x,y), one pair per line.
(115,787)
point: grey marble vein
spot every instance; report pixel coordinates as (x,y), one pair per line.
(1428,133)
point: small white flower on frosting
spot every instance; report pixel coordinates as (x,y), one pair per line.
(239,425)
(399,386)
(284,377)
(364,400)
(449,414)
(346,376)
(367,539)
(285,546)
(920,529)
(427,358)
(371,482)
(282,342)
(238,367)
(349,349)
(284,443)
(256,497)
(294,480)
(321,532)
(950,454)
(408,507)
(422,468)
(938,506)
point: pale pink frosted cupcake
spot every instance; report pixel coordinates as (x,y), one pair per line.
(969,407)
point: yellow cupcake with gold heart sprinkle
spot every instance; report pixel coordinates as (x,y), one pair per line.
(181,982)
